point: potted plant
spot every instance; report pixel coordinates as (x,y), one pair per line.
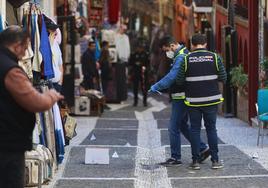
(239,79)
(264,73)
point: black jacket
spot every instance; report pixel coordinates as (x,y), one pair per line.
(16,124)
(88,61)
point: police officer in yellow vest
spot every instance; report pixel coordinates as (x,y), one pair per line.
(201,72)
(179,117)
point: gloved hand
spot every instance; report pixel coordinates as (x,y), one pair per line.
(153,89)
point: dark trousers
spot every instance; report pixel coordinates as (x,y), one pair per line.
(121,81)
(138,81)
(12,169)
(179,124)
(209,114)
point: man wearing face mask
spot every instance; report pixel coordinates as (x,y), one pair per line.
(179,117)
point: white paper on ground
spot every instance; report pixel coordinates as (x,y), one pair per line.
(97,156)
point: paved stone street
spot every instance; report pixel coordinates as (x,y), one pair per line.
(139,137)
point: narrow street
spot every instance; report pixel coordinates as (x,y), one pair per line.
(137,139)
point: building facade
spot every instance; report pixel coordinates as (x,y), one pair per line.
(237,21)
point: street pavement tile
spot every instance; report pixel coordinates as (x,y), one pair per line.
(119,124)
(161,98)
(121,167)
(119,114)
(139,107)
(165,138)
(221,183)
(111,137)
(235,163)
(164,114)
(94,184)
(162,123)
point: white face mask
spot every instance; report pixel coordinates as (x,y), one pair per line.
(170,54)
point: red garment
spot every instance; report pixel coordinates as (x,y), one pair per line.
(114,7)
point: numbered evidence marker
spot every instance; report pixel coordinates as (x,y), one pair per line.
(93,137)
(97,156)
(115,155)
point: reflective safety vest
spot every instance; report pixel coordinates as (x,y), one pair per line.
(177,92)
(201,70)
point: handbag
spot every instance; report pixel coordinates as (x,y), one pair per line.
(70,124)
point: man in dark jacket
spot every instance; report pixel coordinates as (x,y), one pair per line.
(139,61)
(19,100)
(89,67)
(105,66)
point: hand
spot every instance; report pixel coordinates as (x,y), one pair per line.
(153,89)
(55,95)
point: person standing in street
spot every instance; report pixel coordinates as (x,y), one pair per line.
(19,101)
(139,61)
(122,46)
(89,67)
(105,66)
(179,116)
(200,73)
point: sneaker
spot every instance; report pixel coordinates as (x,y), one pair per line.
(171,162)
(194,165)
(216,165)
(204,155)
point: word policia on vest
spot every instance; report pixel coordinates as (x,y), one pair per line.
(207,58)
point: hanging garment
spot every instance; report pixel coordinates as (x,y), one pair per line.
(122,47)
(33,29)
(114,6)
(37,60)
(37,130)
(56,60)
(59,133)
(26,62)
(97,51)
(50,127)
(42,135)
(45,50)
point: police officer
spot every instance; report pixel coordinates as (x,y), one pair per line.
(139,62)
(200,73)
(179,116)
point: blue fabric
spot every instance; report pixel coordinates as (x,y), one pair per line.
(59,146)
(209,114)
(262,101)
(178,124)
(1,24)
(97,51)
(170,78)
(45,50)
(33,30)
(24,22)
